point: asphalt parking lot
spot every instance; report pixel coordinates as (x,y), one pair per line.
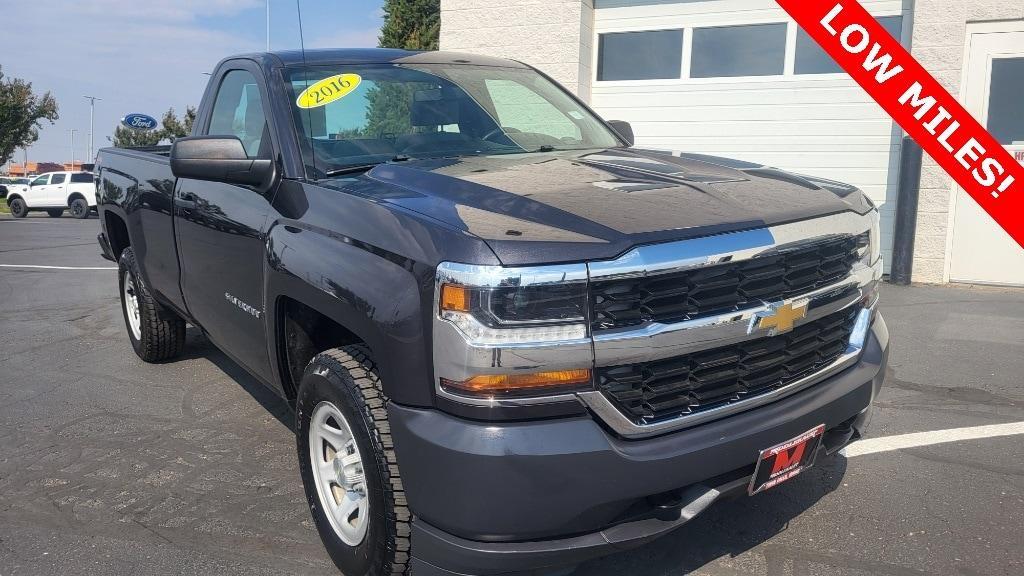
(112,466)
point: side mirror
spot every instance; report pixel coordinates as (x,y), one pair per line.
(624,130)
(220,159)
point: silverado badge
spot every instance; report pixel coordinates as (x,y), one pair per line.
(780,317)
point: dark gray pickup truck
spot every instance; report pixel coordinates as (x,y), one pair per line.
(513,341)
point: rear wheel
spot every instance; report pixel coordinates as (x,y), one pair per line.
(56,212)
(80,208)
(348,465)
(18,208)
(156,333)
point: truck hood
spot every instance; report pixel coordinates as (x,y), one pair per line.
(582,205)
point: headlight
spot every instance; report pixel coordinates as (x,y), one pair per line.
(508,319)
(517,306)
(869,243)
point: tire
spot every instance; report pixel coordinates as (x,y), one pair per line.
(56,212)
(18,208)
(345,379)
(80,208)
(160,333)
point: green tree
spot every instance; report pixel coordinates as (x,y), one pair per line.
(21,112)
(411,24)
(174,128)
(125,137)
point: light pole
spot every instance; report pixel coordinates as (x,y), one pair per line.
(73,148)
(92,106)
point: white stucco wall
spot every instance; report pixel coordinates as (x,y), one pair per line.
(553,35)
(939,44)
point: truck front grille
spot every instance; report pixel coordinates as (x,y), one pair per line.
(654,391)
(680,296)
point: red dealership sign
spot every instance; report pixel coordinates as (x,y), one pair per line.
(918,103)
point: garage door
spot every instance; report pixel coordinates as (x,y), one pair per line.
(738,78)
(982,251)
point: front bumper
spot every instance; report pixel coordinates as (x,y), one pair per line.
(495,498)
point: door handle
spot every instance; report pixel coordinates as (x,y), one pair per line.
(187,202)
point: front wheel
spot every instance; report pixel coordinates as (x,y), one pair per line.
(18,208)
(156,333)
(79,208)
(348,465)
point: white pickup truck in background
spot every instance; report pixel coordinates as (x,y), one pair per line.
(55,192)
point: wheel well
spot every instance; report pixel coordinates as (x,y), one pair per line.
(302,334)
(12,197)
(117,234)
(75,196)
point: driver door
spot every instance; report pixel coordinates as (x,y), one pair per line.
(221,228)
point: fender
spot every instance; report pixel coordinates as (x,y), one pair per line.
(376,298)
(379,286)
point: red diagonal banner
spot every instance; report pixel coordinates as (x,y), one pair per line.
(918,103)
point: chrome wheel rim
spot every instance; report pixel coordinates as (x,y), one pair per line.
(338,473)
(131,307)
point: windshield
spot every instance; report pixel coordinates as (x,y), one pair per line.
(367,114)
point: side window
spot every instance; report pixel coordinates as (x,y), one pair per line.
(41,181)
(238,111)
(57,179)
(82,177)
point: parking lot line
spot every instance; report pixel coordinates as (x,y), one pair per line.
(58,267)
(918,439)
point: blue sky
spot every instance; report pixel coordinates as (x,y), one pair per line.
(143,56)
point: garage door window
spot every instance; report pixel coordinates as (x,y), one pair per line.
(755,50)
(640,55)
(811,59)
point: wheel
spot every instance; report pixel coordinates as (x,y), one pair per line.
(80,208)
(56,212)
(156,333)
(348,465)
(18,208)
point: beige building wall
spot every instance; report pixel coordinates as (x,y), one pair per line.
(939,44)
(553,35)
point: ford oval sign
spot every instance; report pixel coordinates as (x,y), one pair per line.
(139,121)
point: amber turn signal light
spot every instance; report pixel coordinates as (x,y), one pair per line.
(454,298)
(517,384)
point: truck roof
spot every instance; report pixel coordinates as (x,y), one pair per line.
(376,56)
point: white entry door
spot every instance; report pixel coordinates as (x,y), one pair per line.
(994,93)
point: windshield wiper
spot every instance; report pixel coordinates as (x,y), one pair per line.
(546,148)
(363,167)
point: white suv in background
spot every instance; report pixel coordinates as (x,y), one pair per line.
(55,192)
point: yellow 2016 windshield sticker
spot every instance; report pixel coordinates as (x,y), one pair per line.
(328,90)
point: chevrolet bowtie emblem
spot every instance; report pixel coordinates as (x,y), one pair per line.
(779,318)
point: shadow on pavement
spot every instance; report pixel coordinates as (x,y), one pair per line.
(198,346)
